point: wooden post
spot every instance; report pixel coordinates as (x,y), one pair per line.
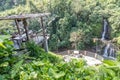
(95,55)
(26,28)
(85,53)
(68,51)
(16,22)
(44,35)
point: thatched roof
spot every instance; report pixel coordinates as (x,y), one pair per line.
(24,16)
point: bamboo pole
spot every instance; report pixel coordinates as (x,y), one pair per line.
(16,22)
(44,35)
(26,28)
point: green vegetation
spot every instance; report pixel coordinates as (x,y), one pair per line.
(73,24)
(48,66)
(3,37)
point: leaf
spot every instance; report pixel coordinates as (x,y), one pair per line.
(1,45)
(38,63)
(33,75)
(4,64)
(23,75)
(110,62)
(115,78)
(16,68)
(2,77)
(110,72)
(59,75)
(56,75)
(3,37)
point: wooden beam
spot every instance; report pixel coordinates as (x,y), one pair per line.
(24,16)
(26,28)
(17,25)
(44,35)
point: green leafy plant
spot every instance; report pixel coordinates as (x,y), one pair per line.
(34,50)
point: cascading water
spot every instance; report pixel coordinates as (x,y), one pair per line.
(106,50)
(105,29)
(109,51)
(112,53)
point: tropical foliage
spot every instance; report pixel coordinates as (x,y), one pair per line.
(48,66)
(73,24)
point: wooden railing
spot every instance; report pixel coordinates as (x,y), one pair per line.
(86,53)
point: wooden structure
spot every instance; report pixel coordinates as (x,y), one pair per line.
(82,53)
(22,18)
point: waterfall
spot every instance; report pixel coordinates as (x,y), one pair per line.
(112,53)
(104,30)
(106,50)
(109,51)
